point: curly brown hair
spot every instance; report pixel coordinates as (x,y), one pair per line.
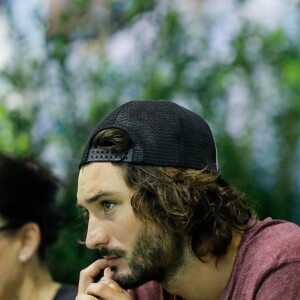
(188,202)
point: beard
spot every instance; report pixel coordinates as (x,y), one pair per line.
(157,255)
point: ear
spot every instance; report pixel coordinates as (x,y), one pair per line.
(30,237)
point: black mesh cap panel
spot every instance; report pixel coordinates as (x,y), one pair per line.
(164,134)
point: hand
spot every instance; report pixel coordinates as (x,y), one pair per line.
(105,289)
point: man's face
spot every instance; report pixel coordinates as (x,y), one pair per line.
(136,251)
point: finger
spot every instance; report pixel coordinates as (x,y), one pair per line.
(88,274)
(86,297)
(110,282)
(108,291)
(108,273)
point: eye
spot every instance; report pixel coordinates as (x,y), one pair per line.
(107,205)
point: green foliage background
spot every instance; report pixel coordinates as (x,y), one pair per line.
(51,98)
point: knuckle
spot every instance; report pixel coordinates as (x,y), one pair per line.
(102,287)
(83,273)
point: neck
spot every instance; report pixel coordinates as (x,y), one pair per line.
(206,279)
(37,283)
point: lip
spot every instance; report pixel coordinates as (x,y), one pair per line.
(111,260)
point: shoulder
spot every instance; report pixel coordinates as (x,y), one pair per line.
(66,292)
(268,249)
(272,240)
(270,226)
(281,283)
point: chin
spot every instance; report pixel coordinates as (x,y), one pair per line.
(126,279)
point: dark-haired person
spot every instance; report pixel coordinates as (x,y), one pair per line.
(29,224)
(159,211)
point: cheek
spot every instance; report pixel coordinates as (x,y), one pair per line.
(11,270)
(127,230)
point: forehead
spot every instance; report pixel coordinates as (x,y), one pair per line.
(100,177)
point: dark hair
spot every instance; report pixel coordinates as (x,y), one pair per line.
(28,193)
(185,201)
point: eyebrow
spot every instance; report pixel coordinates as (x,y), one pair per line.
(98,196)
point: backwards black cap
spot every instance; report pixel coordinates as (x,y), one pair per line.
(163,134)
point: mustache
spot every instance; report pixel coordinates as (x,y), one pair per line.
(114,252)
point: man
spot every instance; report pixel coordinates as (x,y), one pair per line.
(159,211)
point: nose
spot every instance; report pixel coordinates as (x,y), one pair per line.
(96,233)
